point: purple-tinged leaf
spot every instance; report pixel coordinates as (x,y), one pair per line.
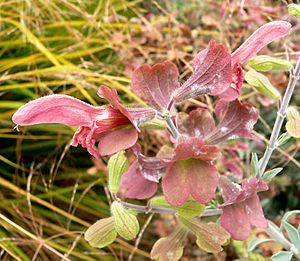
(135,185)
(117,140)
(193,177)
(58,108)
(156,83)
(212,73)
(260,38)
(236,121)
(170,248)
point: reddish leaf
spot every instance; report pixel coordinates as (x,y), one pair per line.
(193,177)
(212,73)
(156,84)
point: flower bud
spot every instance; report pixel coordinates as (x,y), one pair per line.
(294,10)
(264,63)
(293,124)
(126,224)
(262,84)
(117,165)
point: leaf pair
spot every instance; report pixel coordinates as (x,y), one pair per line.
(105,231)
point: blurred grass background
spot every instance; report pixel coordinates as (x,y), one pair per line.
(50,192)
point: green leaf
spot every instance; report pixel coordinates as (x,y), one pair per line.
(254,164)
(293,124)
(189,209)
(282,256)
(294,10)
(210,236)
(102,233)
(126,224)
(290,214)
(283,138)
(262,84)
(293,233)
(264,63)
(257,241)
(117,165)
(268,175)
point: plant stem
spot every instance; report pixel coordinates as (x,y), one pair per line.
(164,210)
(172,128)
(281,114)
(274,233)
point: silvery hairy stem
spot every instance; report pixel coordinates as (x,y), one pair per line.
(281,114)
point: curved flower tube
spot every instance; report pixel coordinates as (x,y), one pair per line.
(114,126)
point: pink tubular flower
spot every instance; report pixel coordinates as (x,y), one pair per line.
(141,179)
(259,39)
(242,205)
(114,126)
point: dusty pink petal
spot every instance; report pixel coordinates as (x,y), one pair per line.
(233,168)
(112,97)
(156,84)
(260,38)
(212,73)
(151,167)
(84,136)
(117,140)
(255,212)
(198,123)
(135,185)
(236,221)
(196,178)
(230,191)
(195,148)
(141,115)
(233,92)
(251,187)
(236,121)
(57,109)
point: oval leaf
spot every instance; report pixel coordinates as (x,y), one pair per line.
(126,224)
(102,233)
(117,165)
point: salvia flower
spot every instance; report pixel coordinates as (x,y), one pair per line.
(241,207)
(114,126)
(259,39)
